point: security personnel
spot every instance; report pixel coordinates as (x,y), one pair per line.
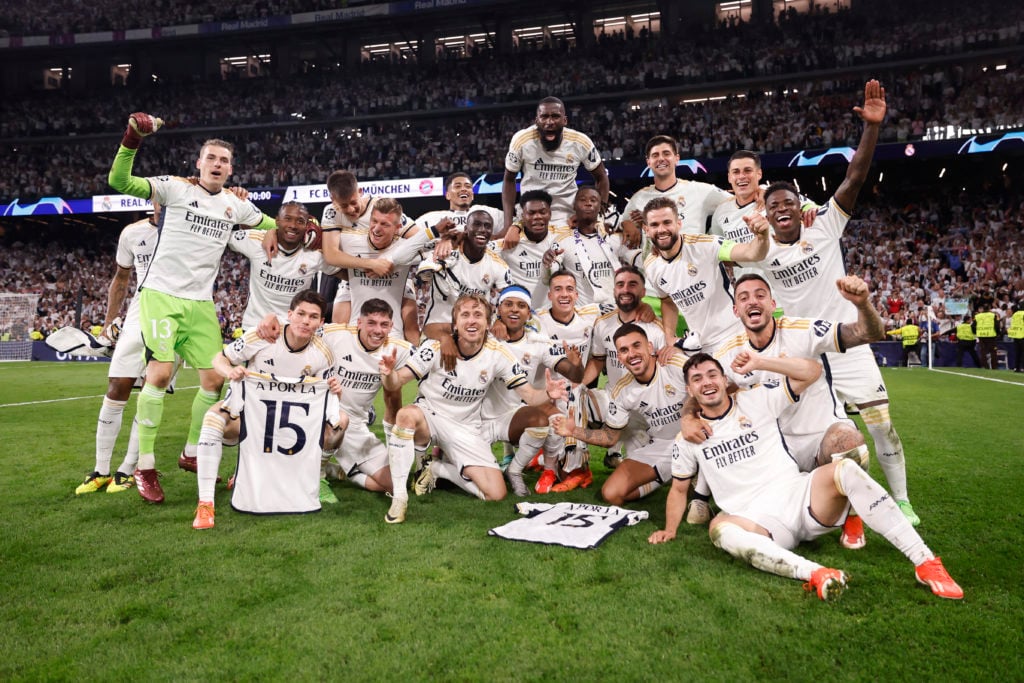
(1016,333)
(911,336)
(965,342)
(987,328)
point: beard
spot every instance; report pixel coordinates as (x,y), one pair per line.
(550,145)
(627,303)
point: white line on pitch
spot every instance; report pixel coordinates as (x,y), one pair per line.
(72,398)
(987,379)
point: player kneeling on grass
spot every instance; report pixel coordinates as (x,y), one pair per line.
(504,415)
(768,505)
(283,418)
(653,395)
(448,408)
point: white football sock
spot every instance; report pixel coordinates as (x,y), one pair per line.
(762,552)
(888,449)
(879,511)
(446,470)
(401,455)
(108,426)
(530,443)
(131,458)
(208,455)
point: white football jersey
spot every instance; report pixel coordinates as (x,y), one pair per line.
(818,407)
(552,171)
(574,525)
(697,202)
(194,230)
(358,368)
(526,266)
(488,276)
(277,358)
(604,347)
(578,332)
(657,402)
(593,260)
(695,280)
(459,394)
(135,247)
(279,446)
(746,454)
(460,218)
(534,352)
(803,274)
(273,284)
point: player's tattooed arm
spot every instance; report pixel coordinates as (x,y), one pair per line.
(565,426)
(869,326)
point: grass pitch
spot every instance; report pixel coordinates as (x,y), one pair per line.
(107,587)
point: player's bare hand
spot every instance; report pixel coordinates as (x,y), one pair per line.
(563,424)
(334,385)
(270,243)
(853,289)
(873,111)
(808,216)
(637,218)
(379,267)
(444,226)
(632,233)
(666,352)
(443,249)
(694,429)
(572,354)
(512,237)
(756,224)
(499,331)
(239,192)
(238,372)
(449,352)
(387,361)
(269,329)
(549,256)
(661,536)
(746,361)
(644,313)
(555,387)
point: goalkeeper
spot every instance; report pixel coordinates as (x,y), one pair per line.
(176,310)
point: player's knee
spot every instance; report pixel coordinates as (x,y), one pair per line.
(612,494)
(120,388)
(839,438)
(407,417)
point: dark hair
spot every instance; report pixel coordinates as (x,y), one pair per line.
(371,306)
(629,268)
(552,100)
(534,196)
(660,203)
(628,328)
(751,276)
(745,154)
(780,186)
(342,184)
(299,205)
(562,272)
(458,174)
(309,296)
(697,359)
(660,140)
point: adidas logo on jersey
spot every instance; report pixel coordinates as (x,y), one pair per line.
(643,404)
(662,281)
(269,361)
(881,388)
(195,204)
(347,358)
(775,263)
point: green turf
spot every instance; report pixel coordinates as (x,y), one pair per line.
(107,587)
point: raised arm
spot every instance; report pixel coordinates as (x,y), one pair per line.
(872,113)
(754,250)
(140,125)
(869,326)
(802,372)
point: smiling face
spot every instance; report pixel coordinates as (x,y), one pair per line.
(783,210)
(515,313)
(214,165)
(460,193)
(292,223)
(374,329)
(662,160)
(470,320)
(479,227)
(351,206)
(563,295)
(707,384)
(754,305)
(663,227)
(383,228)
(636,354)
(629,291)
(744,175)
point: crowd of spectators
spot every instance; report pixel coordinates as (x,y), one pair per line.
(812,114)
(960,246)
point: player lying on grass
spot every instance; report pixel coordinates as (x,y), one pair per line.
(769,506)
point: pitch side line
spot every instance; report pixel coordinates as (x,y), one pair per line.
(987,379)
(72,398)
